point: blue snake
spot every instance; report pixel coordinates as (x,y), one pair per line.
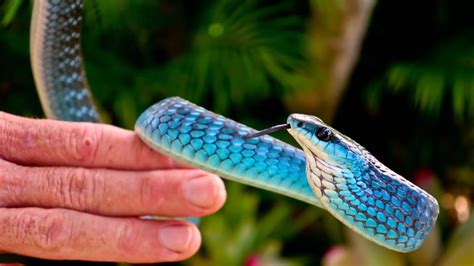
(331,171)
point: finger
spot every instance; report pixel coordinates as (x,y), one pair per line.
(65,234)
(185,192)
(57,143)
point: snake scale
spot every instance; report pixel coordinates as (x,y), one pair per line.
(332,171)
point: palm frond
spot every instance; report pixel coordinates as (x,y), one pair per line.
(444,78)
(240,51)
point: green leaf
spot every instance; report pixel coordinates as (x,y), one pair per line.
(241,52)
(447,72)
(11,9)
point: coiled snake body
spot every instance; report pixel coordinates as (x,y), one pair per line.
(332,171)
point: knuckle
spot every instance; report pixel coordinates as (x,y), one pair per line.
(151,192)
(52,180)
(81,188)
(53,232)
(95,192)
(11,183)
(84,143)
(129,238)
(48,231)
(50,184)
(10,131)
(75,188)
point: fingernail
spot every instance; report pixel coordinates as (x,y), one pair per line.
(201,191)
(176,237)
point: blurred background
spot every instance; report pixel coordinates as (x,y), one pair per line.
(396,76)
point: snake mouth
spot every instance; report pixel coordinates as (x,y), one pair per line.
(308,147)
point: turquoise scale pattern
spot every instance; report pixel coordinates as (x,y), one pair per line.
(344,179)
(210,141)
(57,61)
(358,190)
(366,195)
(400,220)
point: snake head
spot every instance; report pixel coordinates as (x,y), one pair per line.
(360,191)
(328,144)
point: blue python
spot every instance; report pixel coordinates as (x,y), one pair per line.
(332,171)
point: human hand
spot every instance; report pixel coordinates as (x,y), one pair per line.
(74,190)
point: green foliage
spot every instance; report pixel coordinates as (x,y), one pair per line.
(226,54)
(241,51)
(235,53)
(247,233)
(445,77)
(229,54)
(11,7)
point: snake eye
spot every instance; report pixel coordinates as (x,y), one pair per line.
(324,134)
(300,124)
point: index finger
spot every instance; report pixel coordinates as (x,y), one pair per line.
(46,142)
